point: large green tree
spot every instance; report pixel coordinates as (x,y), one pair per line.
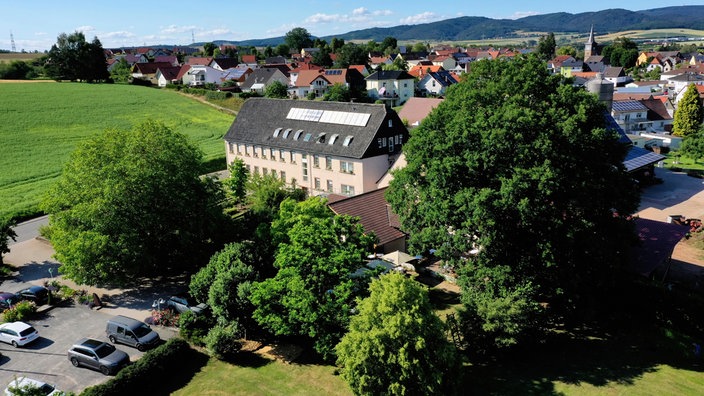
(7,232)
(72,58)
(312,293)
(276,90)
(338,93)
(689,114)
(396,345)
(517,166)
(351,54)
(131,203)
(298,38)
(622,52)
(546,46)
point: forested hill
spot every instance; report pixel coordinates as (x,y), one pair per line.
(476,28)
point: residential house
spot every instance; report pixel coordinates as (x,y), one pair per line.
(310,81)
(362,69)
(617,75)
(376,216)
(416,109)
(294,73)
(594,63)
(380,60)
(629,114)
(322,147)
(250,60)
(167,58)
(571,66)
(223,63)
(167,75)
(436,83)
(237,74)
(261,78)
(198,61)
(147,71)
(275,60)
(199,75)
(555,64)
(420,70)
(394,87)
(447,62)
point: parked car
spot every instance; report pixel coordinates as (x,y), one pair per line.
(98,355)
(22,383)
(7,300)
(38,294)
(17,333)
(180,303)
(131,332)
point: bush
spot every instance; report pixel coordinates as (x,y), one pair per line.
(165,317)
(223,341)
(247,95)
(193,327)
(20,311)
(150,374)
(310,96)
(217,95)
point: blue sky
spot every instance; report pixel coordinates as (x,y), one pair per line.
(35,24)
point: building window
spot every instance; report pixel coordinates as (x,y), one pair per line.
(281,156)
(328,163)
(249,168)
(265,171)
(283,176)
(391,144)
(347,190)
(304,164)
(330,186)
(246,150)
(254,152)
(317,183)
(272,154)
(346,167)
(239,151)
(256,170)
(230,145)
(316,161)
(273,172)
(293,157)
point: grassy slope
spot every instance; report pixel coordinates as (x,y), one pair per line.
(43,123)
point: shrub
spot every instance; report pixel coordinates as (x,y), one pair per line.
(165,317)
(193,327)
(310,96)
(149,374)
(19,312)
(223,341)
(217,95)
(252,94)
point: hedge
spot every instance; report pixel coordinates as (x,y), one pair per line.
(159,371)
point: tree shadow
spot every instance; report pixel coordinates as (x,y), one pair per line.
(249,359)
(443,299)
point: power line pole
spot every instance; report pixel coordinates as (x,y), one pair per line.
(12,40)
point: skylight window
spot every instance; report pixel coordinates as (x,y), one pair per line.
(277,131)
(321,138)
(286,133)
(297,134)
(347,141)
(332,139)
(307,137)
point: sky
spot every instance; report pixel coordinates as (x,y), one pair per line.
(35,25)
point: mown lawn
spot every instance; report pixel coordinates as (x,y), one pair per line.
(42,123)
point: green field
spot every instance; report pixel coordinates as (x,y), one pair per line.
(43,122)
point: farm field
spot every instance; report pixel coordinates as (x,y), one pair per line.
(43,122)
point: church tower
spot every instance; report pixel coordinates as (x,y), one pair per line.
(590,47)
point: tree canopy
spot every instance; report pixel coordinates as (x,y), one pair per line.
(72,58)
(312,293)
(298,38)
(276,90)
(7,232)
(517,166)
(351,54)
(396,345)
(131,203)
(689,114)
(546,46)
(338,93)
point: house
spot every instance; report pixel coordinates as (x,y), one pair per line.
(237,74)
(250,60)
(436,83)
(394,87)
(223,63)
(629,114)
(167,58)
(197,60)
(322,147)
(167,75)
(199,75)
(294,73)
(555,64)
(617,75)
(376,216)
(447,62)
(418,71)
(310,81)
(261,78)
(416,109)
(275,60)
(362,69)
(147,71)
(594,63)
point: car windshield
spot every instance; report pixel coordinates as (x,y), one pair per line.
(29,330)
(46,389)
(104,350)
(142,330)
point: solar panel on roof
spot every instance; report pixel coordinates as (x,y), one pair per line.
(628,105)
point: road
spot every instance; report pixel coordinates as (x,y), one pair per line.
(29,229)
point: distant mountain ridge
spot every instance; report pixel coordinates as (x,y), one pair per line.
(477,28)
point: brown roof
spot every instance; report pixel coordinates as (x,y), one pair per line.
(194,60)
(373,212)
(416,109)
(249,58)
(151,67)
(420,70)
(656,109)
(170,73)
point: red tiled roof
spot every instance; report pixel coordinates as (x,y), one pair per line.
(199,61)
(249,58)
(420,70)
(373,212)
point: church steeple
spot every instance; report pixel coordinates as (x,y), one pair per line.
(590,47)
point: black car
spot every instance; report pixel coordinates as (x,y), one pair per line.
(39,294)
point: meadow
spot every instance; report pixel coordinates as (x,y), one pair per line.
(42,123)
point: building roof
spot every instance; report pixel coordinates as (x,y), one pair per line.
(656,109)
(340,129)
(225,63)
(196,60)
(169,73)
(374,214)
(627,106)
(390,75)
(444,77)
(150,67)
(262,76)
(416,109)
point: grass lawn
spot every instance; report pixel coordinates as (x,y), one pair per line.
(42,123)
(260,376)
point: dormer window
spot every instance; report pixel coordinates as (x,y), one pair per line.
(332,139)
(347,141)
(321,138)
(287,132)
(277,131)
(307,137)
(297,134)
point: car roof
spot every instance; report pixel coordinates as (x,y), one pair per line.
(18,326)
(22,381)
(89,343)
(35,288)
(6,295)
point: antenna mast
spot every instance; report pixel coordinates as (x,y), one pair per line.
(12,40)
(193,37)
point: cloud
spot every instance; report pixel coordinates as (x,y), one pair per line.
(358,17)
(85,29)
(424,17)
(171,29)
(214,32)
(523,14)
(118,35)
(324,18)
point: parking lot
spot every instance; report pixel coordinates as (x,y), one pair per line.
(59,327)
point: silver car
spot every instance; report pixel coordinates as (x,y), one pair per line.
(98,355)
